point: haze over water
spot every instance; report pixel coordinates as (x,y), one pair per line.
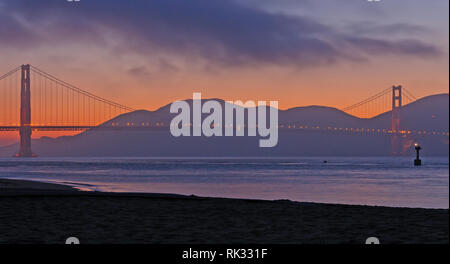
(385,181)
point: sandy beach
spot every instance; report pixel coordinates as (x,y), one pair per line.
(33,212)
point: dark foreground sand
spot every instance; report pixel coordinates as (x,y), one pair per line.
(45,213)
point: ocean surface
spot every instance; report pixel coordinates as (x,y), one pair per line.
(385,181)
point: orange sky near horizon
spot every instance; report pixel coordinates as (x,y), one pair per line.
(338,85)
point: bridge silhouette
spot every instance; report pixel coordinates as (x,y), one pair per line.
(59,106)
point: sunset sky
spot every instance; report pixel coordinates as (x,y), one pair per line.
(146,54)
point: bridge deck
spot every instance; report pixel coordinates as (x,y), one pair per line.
(281,128)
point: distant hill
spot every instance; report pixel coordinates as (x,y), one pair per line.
(429,113)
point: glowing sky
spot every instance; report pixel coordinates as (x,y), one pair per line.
(146,54)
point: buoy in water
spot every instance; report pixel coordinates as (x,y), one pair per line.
(417,161)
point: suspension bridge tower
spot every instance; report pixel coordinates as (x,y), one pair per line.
(396,109)
(25,113)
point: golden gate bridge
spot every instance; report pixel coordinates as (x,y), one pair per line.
(56,105)
(59,106)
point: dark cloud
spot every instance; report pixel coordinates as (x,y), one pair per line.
(167,67)
(139,71)
(15,34)
(406,46)
(401,29)
(221,32)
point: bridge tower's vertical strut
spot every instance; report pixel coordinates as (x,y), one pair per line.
(396,107)
(25,113)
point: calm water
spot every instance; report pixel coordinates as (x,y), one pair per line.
(371,181)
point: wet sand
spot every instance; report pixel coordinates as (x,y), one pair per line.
(33,212)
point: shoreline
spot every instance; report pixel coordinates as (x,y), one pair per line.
(35,213)
(15,187)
